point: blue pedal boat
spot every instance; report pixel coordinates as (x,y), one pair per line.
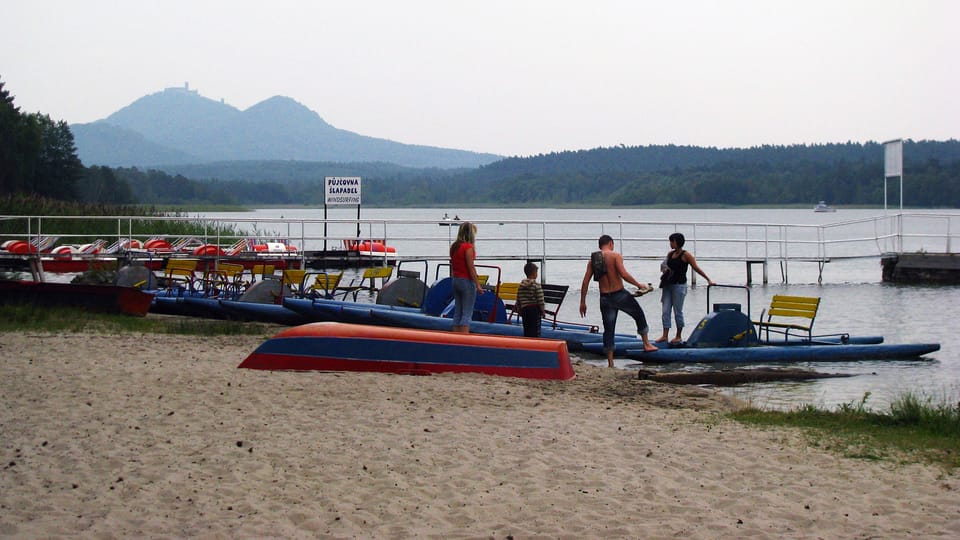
(727,335)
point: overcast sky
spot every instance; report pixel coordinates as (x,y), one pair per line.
(512,77)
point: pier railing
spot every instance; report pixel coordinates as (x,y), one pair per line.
(752,243)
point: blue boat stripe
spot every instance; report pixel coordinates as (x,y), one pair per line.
(387,350)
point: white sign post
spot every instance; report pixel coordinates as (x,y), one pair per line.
(892,166)
(340,190)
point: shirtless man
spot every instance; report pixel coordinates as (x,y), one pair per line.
(613,297)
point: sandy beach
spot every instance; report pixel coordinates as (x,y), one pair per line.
(122,436)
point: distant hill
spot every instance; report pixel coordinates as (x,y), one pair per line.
(178,126)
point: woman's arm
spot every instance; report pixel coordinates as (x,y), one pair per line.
(469,255)
(692,261)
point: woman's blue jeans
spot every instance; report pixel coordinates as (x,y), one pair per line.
(671,297)
(464,298)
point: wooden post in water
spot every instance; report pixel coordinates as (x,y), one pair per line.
(763,266)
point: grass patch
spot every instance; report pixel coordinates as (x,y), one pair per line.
(21,318)
(915,428)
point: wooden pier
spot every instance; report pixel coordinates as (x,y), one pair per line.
(921,268)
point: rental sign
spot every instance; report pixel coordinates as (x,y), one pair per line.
(341,190)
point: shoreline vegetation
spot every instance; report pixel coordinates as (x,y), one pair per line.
(915,428)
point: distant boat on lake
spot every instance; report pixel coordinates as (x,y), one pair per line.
(822,206)
(446,220)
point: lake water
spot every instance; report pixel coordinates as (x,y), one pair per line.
(854,299)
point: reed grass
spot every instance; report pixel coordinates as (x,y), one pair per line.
(913,428)
(85,222)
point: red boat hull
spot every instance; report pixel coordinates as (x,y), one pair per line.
(104,298)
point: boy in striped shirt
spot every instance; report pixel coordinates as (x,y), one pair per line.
(530,300)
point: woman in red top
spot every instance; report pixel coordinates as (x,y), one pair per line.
(466,284)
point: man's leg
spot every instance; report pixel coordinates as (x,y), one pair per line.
(608,314)
(629,305)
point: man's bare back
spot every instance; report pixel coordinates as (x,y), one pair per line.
(612,281)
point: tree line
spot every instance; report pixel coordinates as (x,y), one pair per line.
(37,154)
(38,160)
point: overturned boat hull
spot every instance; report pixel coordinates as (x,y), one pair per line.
(331,346)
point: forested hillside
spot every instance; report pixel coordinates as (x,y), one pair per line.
(840,173)
(850,174)
(845,174)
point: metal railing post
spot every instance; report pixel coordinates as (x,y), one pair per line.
(543,250)
(786,256)
(948,233)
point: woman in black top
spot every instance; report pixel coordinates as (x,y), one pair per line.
(674,284)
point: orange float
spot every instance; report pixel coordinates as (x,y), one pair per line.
(207,250)
(374,247)
(157,244)
(20,246)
